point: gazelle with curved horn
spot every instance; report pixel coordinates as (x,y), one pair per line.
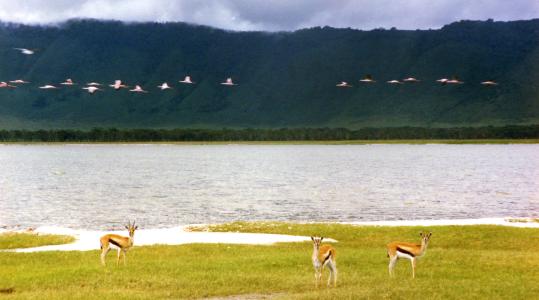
(411,251)
(323,256)
(122,243)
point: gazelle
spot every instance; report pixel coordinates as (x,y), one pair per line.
(410,251)
(122,243)
(322,256)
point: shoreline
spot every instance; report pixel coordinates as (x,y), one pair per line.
(297,142)
(87,240)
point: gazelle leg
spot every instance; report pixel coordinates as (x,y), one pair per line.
(392,262)
(104,252)
(118,255)
(125,262)
(332,273)
(317,276)
(413,261)
(335,272)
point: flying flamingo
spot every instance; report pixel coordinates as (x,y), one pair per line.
(19,81)
(138,89)
(48,87)
(394,82)
(489,83)
(91,89)
(26,51)
(4,84)
(164,86)
(68,82)
(228,82)
(442,80)
(411,79)
(367,79)
(343,84)
(187,80)
(454,80)
(118,85)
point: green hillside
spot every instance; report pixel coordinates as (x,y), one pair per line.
(285,79)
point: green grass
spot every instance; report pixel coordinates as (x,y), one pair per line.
(462,262)
(27,240)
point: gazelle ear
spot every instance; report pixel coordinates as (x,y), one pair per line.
(312,238)
(136,227)
(430,233)
(126,227)
(321,238)
(421,234)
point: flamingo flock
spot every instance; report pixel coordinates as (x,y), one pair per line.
(93,87)
(118,84)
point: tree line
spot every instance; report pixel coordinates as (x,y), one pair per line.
(283,134)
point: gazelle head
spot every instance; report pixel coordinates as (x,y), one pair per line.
(131,228)
(425,237)
(317,241)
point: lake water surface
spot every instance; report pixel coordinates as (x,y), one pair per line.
(99,186)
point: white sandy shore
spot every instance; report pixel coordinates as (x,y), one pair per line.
(89,240)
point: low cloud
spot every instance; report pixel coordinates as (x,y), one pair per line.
(273,15)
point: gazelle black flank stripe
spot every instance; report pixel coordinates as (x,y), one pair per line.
(399,249)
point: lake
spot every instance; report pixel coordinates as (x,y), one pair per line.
(100,186)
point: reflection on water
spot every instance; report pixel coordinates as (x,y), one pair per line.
(100,186)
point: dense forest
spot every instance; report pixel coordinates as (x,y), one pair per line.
(283,134)
(285,79)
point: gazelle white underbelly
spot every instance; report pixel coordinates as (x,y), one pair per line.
(404,255)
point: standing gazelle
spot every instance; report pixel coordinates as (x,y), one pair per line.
(410,251)
(122,243)
(322,256)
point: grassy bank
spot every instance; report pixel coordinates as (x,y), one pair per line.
(10,240)
(335,142)
(462,262)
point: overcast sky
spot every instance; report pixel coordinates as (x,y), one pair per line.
(272,15)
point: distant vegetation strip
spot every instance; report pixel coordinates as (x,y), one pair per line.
(284,134)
